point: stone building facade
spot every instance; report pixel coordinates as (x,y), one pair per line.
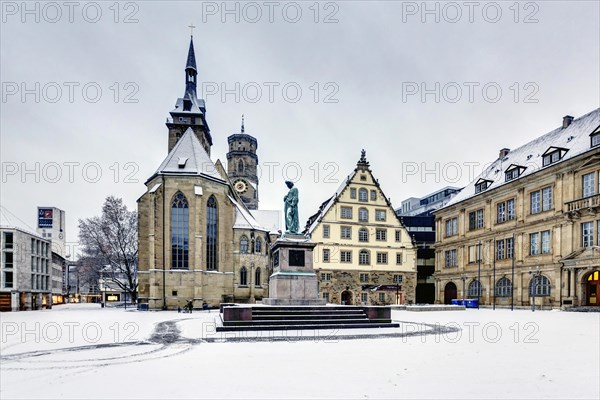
(198,240)
(535,208)
(364,255)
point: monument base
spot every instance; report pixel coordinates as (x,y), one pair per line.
(294,281)
(293,289)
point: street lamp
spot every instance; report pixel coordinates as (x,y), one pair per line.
(479,275)
(534,282)
(103,287)
(464,279)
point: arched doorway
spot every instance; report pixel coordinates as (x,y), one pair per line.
(592,292)
(347,297)
(449,292)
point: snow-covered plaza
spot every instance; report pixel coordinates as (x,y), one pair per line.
(83,351)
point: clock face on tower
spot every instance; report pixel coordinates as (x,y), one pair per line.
(240,186)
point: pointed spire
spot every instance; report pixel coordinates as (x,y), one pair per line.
(243,129)
(191,58)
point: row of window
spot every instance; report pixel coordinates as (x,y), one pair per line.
(39,248)
(363,277)
(539,244)
(244,245)
(38,264)
(39,282)
(540,201)
(244,277)
(363,214)
(363,233)
(538,286)
(364,257)
(363,194)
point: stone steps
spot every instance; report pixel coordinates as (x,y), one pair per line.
(247,318)
(270,317)
(304,327)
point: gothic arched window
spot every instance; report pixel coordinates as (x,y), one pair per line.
(257,277)
(179,232)
(244,244)
(240,166)
(258,245)
(212,239)
(243,276)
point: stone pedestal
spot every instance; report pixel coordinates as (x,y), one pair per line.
(293,281)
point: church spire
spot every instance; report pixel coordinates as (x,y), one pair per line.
(191,73)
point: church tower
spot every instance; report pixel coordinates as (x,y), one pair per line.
(242,163)
(190,111)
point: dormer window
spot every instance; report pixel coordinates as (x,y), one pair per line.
(481,185)
(182,161)
(552,155)
(595,136)
(513,172)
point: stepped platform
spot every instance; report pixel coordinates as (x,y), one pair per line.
(262,318)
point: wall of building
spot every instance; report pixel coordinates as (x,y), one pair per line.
(564,227)
(346,275)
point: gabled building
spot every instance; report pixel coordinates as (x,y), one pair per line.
(528,228)
(364,255)
(198,239)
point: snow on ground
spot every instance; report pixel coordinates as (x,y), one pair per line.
(83,351)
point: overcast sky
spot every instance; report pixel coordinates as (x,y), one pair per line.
(431,94)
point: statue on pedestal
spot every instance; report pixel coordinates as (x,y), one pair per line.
(291,209)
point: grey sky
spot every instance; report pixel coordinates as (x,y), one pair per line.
(368,61)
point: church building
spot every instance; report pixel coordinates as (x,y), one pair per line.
(201,236)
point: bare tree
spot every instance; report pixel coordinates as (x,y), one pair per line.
(110,245)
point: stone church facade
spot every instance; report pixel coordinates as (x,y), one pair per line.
(198,237)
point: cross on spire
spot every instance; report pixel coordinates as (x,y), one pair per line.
(191,26)
(243,129)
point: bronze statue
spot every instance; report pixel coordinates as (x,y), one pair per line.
(291,209)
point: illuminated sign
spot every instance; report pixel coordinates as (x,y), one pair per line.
(44,217)
(112,297)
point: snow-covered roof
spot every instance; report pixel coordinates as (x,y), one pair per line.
(270,219)
(244,219)
(575,138)
(8,220)
(329,203)
(188,157)
(197,106)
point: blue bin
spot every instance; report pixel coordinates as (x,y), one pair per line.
(471,303)
(455,302)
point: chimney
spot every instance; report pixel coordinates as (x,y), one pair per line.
(503,153)
(567,119)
